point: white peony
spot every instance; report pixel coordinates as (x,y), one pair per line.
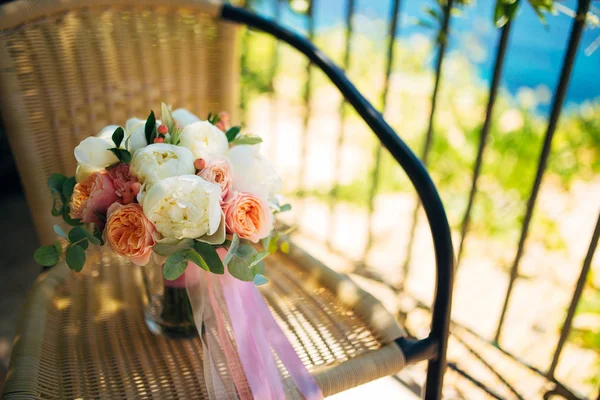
(252,173)
(135,130)
(159,161)
(92,153)
(184,206)
(183,117)
(204,140)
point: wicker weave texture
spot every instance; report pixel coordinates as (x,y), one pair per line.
(84,336)
(74,70)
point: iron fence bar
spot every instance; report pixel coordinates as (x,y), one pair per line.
(566,328)
(488,366)
(341,134)
(443,38)
(557,103)
(474,381)
(395,11)
(307,108)
(494,85)
(272,72)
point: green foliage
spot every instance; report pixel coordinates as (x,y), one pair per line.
(232,133)
(209,254)
(46,256)
(150,128)
(246,139)
(165,249)
(78,237)
(246,263)
(75,257)
(123,155)
(117,136)
(175,266)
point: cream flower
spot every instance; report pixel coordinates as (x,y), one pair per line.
(135,130)
(183,117)
(252,173)
(204,140)
(159,161)
(184,206)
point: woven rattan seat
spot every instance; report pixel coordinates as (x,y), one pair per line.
(71,67)
(84,335)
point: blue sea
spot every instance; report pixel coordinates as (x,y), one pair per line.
(535,53)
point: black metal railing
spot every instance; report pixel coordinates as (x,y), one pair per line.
(556,387)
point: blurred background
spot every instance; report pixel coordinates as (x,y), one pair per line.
(476,101)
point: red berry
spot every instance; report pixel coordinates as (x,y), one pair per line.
(162,128)
(199,164)
(159,140)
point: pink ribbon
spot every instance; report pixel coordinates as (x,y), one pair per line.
(219,301)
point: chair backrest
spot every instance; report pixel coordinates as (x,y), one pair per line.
(70,67)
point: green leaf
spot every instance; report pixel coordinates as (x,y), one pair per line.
(166,249)
(150,128)
(91,236)
(285,247)
(58,247)
(46,256)
(67,217)
(98,235)
(175,266)
(117,136)
(232,133)
(285,207)
(260,279)
(210,256)
(193,256)
(239,267)
(123,155)
(246,139)
(167,117)
(258,257)
(59,231)
(56,211)
(56,182)
(77,236)
(235,242)
(270,242)
(75,257)
(67,189)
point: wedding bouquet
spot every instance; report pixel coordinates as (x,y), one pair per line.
(179,188)
(194,198)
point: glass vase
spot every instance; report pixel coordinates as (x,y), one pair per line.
(167,308)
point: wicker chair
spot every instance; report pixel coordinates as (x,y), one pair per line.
(71,67)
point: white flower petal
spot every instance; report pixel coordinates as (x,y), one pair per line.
(183,117)
(252,173)
(159,161)
(204,140)
(92,153)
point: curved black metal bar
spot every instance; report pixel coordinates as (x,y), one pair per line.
(434,347)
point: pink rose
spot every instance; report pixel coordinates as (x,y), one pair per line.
(248,216)
(218,171)
(223,122)
(92,197)
(129,233)
(126,185)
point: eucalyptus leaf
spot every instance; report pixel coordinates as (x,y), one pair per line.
(92,237)
(166,249)
(67,189)
(196,258)
(235,242)
(175,266)
(239,267)
(46,256)
(56,211)
(78,237)
(58,247)
(123,155)
(55,183)
(210,256)
(150,128)
(67,217)
(260,279)
(59,231)
(117,136)
(98,235)
(258,257)
(232,133)
(285,207)
(246,139)
(75,257)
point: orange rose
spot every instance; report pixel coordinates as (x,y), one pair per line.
(129,233)
(218,171)
(92,197)
(248,216)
